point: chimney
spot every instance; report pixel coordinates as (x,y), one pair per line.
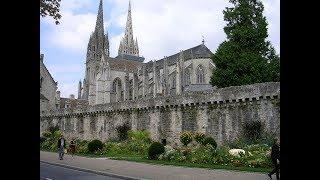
(58,94)
(41,57)
(72,96)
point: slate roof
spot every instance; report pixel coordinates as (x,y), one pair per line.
(200,51)
(130,57)
(124,65)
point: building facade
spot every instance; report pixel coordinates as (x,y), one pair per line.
(165,96)
(48,88)
(126,77)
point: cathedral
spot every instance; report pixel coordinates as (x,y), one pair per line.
(126,76)
(164,97)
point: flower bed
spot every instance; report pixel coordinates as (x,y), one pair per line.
(201,154)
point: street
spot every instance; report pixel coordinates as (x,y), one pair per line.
(51,172)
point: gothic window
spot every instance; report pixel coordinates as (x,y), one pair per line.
(173,80)
(130,89)
(94,48)
(200,75)
(187,77)
(117,89)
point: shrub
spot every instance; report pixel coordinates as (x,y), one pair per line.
(123,132)
(202,154)
(139,136)
(252,131)
(211,141)
(155,150)
(53,129)
(199,137)
(46,134)
(186,138)
(42,139)
(95,145)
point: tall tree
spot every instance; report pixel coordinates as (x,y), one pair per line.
(246,57)
(51,8)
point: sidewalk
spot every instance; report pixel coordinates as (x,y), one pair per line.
(147,171)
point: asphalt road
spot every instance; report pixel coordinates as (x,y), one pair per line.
(51,172)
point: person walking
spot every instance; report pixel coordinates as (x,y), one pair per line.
(61,145)
(72,147)
(275,157)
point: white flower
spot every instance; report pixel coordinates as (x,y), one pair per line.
(236,152)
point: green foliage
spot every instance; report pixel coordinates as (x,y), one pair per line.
(246,57)
(252,131)
(50,8)
(211,141)
(155,150)
(140,136)
(202,154)
(53,129)
(186,137)
(123,132)
(46,134)
(199,137)
(42,139)
(95,145)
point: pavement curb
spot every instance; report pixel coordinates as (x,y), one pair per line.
(93,171)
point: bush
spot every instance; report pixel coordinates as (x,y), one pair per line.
(155,150)
(211,141)
(252,131)
(95,145)
(123,132)
(46,134)
(53,129)
(186,138)
(139,136)
(42,139)
(199,137)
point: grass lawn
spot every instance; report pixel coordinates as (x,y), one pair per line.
(140,159)
(193,165)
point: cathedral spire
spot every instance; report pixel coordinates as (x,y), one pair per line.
(129,33)
(99,22)
(128,45)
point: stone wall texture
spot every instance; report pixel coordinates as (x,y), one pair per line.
(219,113)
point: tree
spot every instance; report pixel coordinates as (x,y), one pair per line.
(246,57)
(51,8)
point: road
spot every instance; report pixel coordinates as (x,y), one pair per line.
(51,172)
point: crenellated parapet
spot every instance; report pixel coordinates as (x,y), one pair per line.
(222,97)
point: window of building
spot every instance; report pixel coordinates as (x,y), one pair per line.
(200,75)
(187,79)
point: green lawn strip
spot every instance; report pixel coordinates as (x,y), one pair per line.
(136,158)
(187,164)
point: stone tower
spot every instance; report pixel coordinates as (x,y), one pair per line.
(128,45)
(98,44)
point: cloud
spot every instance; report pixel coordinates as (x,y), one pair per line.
(165,27)
(162,28)
(61,69)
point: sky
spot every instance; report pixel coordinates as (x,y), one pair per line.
(162,27)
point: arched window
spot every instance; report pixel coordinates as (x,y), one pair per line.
(117,89)
(187,79)
(200,75)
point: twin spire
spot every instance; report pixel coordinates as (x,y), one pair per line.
(99,42)
(99,22)
(128,45)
